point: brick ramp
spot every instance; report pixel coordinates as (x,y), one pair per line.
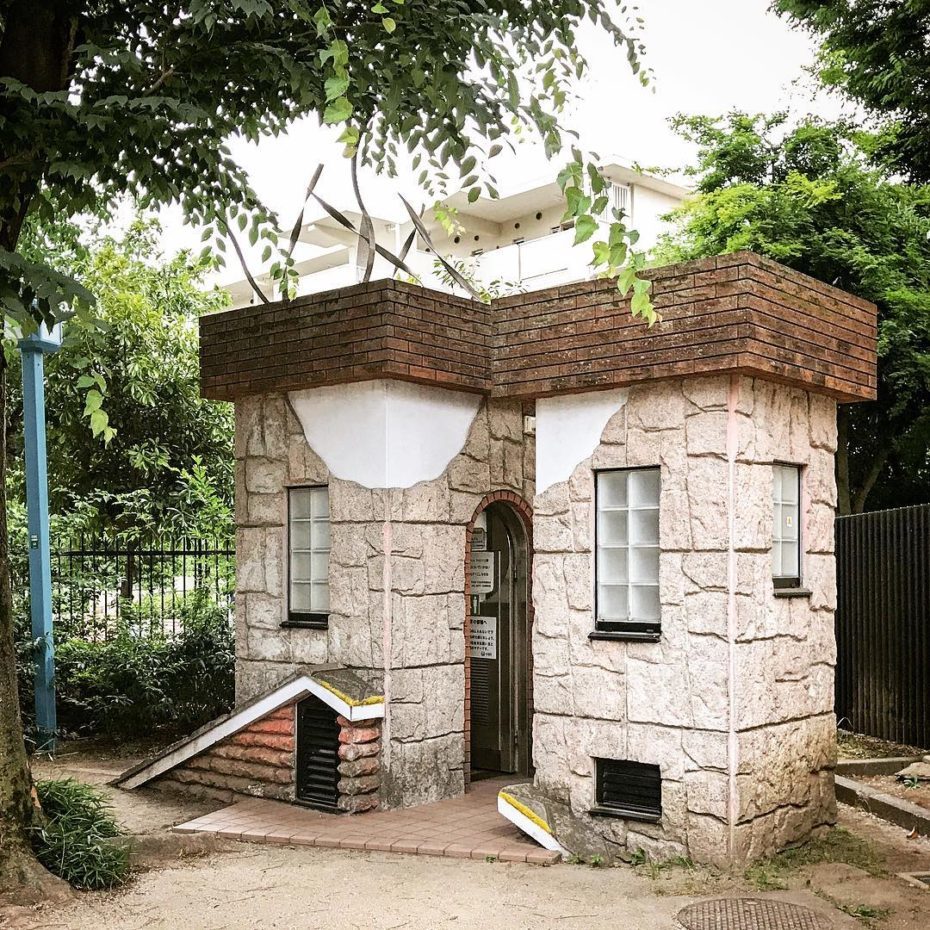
(463,828)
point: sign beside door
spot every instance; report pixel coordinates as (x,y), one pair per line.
(482,573)
(482,641)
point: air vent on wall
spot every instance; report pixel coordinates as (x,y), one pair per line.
(317,773)
(628,789)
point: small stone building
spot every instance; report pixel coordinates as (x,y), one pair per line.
(543,539)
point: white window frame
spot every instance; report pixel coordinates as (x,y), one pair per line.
(632,626)
(308,536)
(786,523)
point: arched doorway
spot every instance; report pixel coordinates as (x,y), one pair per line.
(499,664)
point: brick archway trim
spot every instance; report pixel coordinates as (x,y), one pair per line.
(525,514)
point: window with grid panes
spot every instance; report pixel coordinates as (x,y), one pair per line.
(308,555)
(627,551)
(786,531)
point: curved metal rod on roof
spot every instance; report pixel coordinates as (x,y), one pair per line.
(295,235)
(424,234)
(366,235)
(366,238)
(298,225)
(343,220)
(248,274)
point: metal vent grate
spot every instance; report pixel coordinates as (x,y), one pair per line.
(630,789)
(749,914)
(480,691)
(317,775)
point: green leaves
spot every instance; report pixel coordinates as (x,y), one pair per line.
(322,21)
(337,112)
(585,228)
(336,86)
(149,102)
(587,202)
(93,407)
(93,402)
(809,196)
(877,53)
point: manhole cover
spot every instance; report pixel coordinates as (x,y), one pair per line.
(749,914)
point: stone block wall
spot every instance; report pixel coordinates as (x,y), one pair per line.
(784,648)
(397,582)
(258,761)
(734,703)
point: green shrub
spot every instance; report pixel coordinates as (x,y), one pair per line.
(132,685)
(76,840)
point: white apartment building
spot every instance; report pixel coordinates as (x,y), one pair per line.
(518,241)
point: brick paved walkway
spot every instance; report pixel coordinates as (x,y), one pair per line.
(465,828)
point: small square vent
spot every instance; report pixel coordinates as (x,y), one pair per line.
(628,789)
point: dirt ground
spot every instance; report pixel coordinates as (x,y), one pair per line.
(274,887)
(917,793)
(851,880)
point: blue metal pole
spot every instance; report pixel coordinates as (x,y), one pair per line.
(33,349)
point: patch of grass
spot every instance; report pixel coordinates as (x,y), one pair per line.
(865,913)
(658,866)
(838,845)
(75,842)
(596,861)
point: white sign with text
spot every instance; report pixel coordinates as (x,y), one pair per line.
(482,641)
(482,572)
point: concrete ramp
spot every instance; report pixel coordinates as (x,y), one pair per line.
(552,824)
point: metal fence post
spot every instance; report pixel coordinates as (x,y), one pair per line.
(33,350)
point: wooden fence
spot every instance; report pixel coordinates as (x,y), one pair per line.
(883,624)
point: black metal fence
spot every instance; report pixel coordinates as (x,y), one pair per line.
(883,624)
(150,585)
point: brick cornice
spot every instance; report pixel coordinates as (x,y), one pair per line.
(738,313)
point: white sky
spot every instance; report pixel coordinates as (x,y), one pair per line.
(708,56)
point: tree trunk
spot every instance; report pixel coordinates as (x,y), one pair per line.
(875,469)
(36,42)
(844,498)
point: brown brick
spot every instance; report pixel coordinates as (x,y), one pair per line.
(349,752)
(364,784)
(367,765)
(738,313)
(359,803)
(359,734)
(284,726)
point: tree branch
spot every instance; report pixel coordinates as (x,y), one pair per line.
(844,503)
(875,469)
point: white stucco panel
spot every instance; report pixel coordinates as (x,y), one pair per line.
(568,430)
(385,434)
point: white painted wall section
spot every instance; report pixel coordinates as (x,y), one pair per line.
(385,434)
(568,430)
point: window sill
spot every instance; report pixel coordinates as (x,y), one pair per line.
(792,592)
(629,635)
(620,813)
(306,622)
